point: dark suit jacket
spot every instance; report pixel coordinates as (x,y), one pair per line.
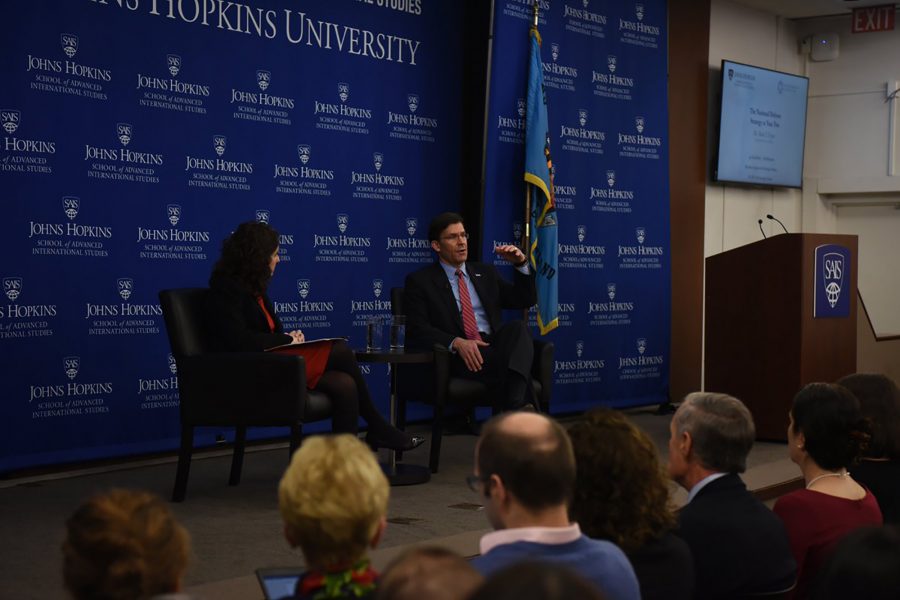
(432,316)
(234,321)
(739,545)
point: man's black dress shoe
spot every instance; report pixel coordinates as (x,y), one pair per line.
(409,442)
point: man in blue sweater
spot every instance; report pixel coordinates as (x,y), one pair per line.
(525,469)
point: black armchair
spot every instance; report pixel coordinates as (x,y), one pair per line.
(231,389)
(415,383)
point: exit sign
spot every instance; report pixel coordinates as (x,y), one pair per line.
(873,18)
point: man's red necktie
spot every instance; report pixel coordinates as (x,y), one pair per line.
(465,302)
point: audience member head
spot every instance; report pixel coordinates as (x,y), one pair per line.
(537,581)
(826,427)
(879,402)
(333,499)
(621,492)
(124,545)
(526,467)
(249,256)
(442,222)
(865,564)
(428,572)
(710,433)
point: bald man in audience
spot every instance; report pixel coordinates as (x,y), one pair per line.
(428,572)
(740,547)
(525,471)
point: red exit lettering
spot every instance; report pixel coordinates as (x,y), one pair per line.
(873,18)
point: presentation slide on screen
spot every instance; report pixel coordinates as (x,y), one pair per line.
(762,126)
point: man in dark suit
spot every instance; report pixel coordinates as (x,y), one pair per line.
(458,304)
(740,547)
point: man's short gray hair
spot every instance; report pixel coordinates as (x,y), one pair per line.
(721,428)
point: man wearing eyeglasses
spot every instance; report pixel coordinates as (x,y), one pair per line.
(458,304)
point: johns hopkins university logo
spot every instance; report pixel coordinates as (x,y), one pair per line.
(343,91)
(582,116)
(10,119)
(641,234)
(262,215)
(521,107)
(833,277)
(304,153)
(378,160)
(173,62)
(173,366)
(125,285)
(71,364)
(554,51)
(173,211)
(610,177)
(124,131)
(69,44)
(611,291)
(581,232)
(611,61)
(263,79)
(377,287)
(303,288)
(641,345)
(517,232)
(219,143)
(343,221)
(585,3)
(411,224)
(639,11)
(412,100)
(579,348)
(71,204)
(12,287)
(639,124)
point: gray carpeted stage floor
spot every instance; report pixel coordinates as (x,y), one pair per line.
(237,529)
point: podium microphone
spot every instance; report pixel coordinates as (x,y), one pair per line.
(779,222)
(761,229)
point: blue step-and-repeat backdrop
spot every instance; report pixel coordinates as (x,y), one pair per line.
(137,133)
(605,79)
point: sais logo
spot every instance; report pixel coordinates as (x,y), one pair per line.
(71,204)
(412,100)
(582,116)
(611,62)
(521,107)
(303,288)
(411,224)
(377,287)
(304,153)
(639,124)
(641,234)
(69,44)
(579,348)
(343,220)
(833,271)
(581,233)
(12,287)
(343,91)
(517,232)
(173,366)
(263,79)
(585,3)
(641,345)
(730,74)
(71,364)
(219,143)
(611,178)
(611,291)
(124,131)
(554,51)
(378,160)
(173,62)
(639,11)
(125,285)
(262,215)
(10,119)
(173,211)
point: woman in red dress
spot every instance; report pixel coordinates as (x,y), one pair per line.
(241,318)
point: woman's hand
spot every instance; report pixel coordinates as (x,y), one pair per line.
(297,336)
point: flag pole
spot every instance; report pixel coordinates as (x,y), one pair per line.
(526,222)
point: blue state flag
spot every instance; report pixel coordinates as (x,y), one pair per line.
(544,250)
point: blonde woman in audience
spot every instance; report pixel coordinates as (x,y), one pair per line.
(622,495)
(124,545)
(826,435)
(333,500)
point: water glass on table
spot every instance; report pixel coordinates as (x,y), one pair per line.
(398,332)
(374,333)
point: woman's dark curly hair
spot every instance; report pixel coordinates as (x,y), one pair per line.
(621,492)
(879,401)
(835,432)
(245,256)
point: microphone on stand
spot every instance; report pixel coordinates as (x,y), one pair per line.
(770,217)
(761,229)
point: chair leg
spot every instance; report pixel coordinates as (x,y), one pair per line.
(237,457)
(296,435)
(184,463)
(437,431)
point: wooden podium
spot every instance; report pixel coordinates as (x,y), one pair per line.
(763,342)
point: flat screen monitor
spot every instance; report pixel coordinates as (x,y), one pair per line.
(762,126)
